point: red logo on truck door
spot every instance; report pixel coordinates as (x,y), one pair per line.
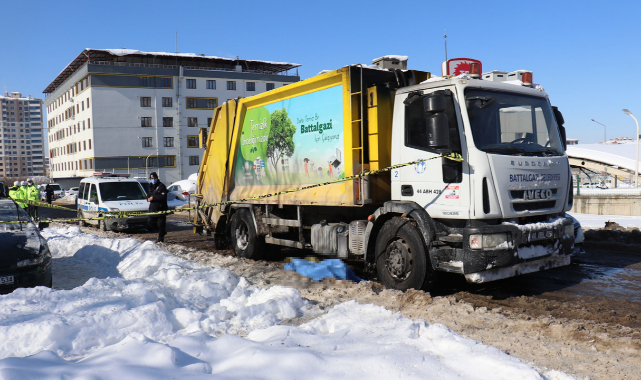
(451,192)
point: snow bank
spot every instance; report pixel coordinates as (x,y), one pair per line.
(146,314)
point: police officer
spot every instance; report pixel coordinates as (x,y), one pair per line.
(157,202)
(14,192)
(33,194)
(49,193)
(22,194)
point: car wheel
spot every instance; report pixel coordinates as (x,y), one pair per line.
(401,256)
(81,223)
(102,224)
(243,236)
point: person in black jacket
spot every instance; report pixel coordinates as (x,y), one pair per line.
(157,202)
(49,193)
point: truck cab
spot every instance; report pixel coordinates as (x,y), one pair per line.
(499,212)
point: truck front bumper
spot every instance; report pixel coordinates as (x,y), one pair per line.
(121,224)
(529,248)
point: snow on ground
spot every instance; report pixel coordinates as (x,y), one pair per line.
(589,221)
(133,310)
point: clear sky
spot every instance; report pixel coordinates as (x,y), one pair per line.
(586,54)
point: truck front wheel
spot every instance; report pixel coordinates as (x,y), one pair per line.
(244,240)
(401,257)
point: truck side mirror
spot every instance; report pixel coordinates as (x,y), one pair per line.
(560,121)
(438,132)
(434,102)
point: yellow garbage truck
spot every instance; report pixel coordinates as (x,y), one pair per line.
(497,212)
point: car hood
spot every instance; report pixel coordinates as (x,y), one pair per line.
(18,245)
(134,205)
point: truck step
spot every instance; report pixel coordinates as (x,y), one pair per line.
(452,238)
(283,242)
(282,222)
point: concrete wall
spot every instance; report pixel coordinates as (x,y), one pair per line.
(629,205)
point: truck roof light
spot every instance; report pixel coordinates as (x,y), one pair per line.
(475,70)
(526,78)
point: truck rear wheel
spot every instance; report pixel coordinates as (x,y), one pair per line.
(401,257)
(244,240)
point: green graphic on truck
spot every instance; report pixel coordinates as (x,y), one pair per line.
(295,141)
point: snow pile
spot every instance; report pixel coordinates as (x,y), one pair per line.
(69,198)
(149,315)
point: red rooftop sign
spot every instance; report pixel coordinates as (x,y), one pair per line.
(458,66)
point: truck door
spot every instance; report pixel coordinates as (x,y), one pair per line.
(439,184)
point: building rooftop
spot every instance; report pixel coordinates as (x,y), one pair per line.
(137,58)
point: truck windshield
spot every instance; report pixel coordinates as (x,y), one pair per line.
(55,187)
(512,124)
(121,191)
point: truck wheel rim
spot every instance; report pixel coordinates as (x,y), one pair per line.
(399,259)
(242,236)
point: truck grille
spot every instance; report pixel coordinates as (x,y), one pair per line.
(531,206)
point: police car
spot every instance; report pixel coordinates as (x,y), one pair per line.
(97,196)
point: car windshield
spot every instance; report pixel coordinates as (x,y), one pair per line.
(512,124)
(55,187)
(145,185)
(121,191)
(10,212)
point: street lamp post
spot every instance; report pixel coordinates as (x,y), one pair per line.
(605,138)
(636,162)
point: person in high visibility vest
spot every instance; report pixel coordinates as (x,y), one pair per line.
(14,192)
(33,194)
(22,194)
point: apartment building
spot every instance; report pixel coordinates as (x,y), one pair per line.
(128,111)
(21,137)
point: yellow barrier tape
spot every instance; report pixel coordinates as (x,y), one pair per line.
(121,214)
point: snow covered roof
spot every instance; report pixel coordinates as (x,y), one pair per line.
(143,58)
(621,155)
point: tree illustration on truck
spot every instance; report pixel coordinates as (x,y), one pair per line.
(280,143)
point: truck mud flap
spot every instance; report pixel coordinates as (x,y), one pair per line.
(518,269)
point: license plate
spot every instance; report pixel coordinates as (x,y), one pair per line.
(6,280)
(541,235)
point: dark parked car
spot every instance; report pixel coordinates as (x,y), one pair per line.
(25,260)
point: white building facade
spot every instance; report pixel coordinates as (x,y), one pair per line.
(131,112)
(21,137)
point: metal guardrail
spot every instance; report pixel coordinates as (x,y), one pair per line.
(605,192)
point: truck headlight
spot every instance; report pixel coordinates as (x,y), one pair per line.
(480,241)
(569,230)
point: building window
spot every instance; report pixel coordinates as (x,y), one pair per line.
(212,103)
(169,142)
(191,83)
(191,103)
(145,101)
(165,82)
(89,123)
(211,84)
(231,85)
(194,160)
(89,143)
(147,142)
(87,102)
(209,119)
(145,122)
(270,86)
(192,122)
(192,141)
(167,102)
(251,86)
(146,82)
(168,122)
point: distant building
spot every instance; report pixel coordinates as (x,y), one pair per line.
(21,137)
(129,111)
(572,141)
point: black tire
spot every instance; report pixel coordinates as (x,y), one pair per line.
(81,223)
(401,256)
(243,237)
